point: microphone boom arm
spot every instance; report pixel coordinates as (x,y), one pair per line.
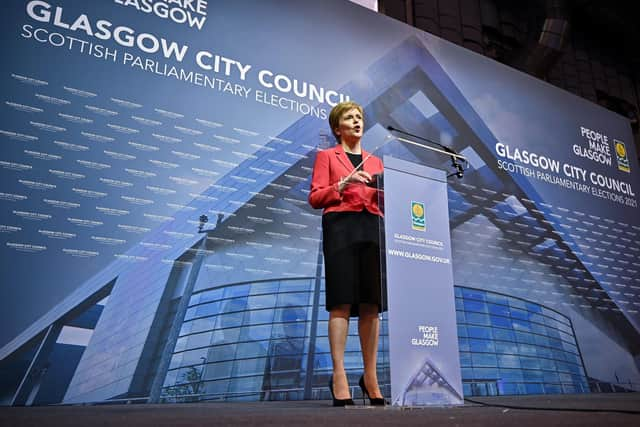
(439,148)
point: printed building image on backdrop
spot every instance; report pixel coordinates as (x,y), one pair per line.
(156,238)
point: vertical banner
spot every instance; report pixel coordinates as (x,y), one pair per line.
(423,341)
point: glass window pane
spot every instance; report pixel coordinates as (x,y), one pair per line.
(322,313)
(185,328)
(485,373)
(506,348)
(193,357)
(508,361)
(534,308)
(466,389)
(510,388)
(483,360)
(292,314)
(190,313)
(230,320)
(261,316)
(501,322)
(181,344)
(521,325)
(530,362)
(527,349)
(292,346)
(246,384)
(467,373)
(544,352)
(195,299)
(290,329)
(227,335)
(524,337)
(482,345)
(504,334)
(236,291)
(473,294)
(261,301)
(251,349)
(198,340)
(538,318)
(519,314)
(552,389)
(547,364)
(212,295)
(479,332)
(353,360)
(541,341)
(210,309)
(203,324)
(516,303)
(296,285)
(216,388)
(322,361)
(556,343)
(550,377)
(254,366)
(233,305)
(171,377)
(497,299)
(293,299)
(264,288)
(176,361)
(476,306)
(218,370)
(255,333)
(500,310)
(221,353)
(538,329)
(534,388)
(465,359)
(510,375)
(478,318)
(533,375)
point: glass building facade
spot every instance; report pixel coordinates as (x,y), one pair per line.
(268,341)
(512,346)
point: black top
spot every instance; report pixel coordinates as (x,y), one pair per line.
(356,159)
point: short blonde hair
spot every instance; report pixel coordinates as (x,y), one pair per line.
(338,111)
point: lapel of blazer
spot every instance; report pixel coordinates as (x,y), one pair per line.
(344,159)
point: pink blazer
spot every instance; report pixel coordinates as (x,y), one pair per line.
(330,166)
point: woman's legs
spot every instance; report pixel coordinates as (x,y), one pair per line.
(369,330)
(338,330)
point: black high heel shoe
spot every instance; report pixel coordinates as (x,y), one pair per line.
(338,402)
(375,401)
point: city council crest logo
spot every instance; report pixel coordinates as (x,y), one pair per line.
(621,155)
(417,216)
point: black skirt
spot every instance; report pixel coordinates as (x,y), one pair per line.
(351,247)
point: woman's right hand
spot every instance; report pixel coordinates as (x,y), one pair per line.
(357,176)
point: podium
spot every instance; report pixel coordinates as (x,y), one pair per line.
(415,254)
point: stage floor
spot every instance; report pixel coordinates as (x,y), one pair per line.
(621,409)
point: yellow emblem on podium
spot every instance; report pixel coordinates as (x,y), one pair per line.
(417,216)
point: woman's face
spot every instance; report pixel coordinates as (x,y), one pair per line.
(350,126)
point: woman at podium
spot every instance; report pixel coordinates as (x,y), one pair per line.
(341,185)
